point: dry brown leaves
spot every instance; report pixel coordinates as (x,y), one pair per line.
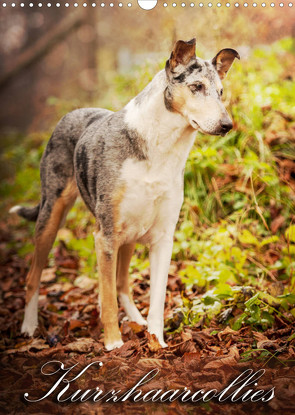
(70,331)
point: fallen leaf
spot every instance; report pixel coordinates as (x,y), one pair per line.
(187,347)
(65,235)
(226,331)
(276,288)
(74,324)
(259,336)
(83,345)
(48,274)
(153,343)
(127,349)
(277,223)
(191,357)
(135,327)
(234,351)
(186,335)
(147,363)
(85,283)
(34,344)
(60,287)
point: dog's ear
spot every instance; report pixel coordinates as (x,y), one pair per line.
(223,61)
(182,53)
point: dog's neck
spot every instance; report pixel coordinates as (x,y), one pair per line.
(160,128)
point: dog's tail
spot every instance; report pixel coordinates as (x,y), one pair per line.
(26,212)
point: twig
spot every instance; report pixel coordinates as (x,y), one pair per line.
(262,267)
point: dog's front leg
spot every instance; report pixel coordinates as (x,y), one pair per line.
(160,257)
(106,253)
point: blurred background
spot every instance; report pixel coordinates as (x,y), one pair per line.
(72,55)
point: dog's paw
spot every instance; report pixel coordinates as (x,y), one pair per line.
(163,344)
(140,320)
(159,336)
(114,345)
(28,329)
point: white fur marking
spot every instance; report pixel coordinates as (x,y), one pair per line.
(30,322)
(159,179)
(160,257)
(15,209)
(112,346)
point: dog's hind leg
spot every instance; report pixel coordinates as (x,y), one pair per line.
(106,253)
(50,218)
(125,296)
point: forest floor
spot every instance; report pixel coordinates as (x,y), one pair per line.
(70,332)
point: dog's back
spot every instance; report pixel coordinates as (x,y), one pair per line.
(57,163)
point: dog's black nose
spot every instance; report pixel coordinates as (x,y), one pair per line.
(226,125)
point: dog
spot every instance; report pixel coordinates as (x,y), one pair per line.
(128,167)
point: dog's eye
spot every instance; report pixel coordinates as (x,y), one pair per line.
(196,87)
(221,92)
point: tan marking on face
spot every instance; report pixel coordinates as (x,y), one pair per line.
(45,239)
(181,96)
(107,288)
(185,103)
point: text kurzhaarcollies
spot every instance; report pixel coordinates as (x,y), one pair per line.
(242,389)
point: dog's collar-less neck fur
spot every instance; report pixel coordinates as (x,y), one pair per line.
(148,115)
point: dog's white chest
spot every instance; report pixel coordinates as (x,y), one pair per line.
(150,197)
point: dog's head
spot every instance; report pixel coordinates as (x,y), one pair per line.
(194,87)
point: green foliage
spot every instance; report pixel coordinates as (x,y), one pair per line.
(290,233)
(220,271)
(20,177)
(229,305)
